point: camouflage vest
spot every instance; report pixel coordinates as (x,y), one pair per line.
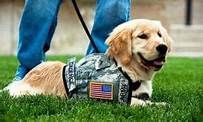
(96,77)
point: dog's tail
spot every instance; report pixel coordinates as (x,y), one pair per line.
(20,88)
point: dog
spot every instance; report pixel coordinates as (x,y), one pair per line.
(139,47)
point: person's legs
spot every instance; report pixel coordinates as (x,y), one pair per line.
(109,14)
(37,26)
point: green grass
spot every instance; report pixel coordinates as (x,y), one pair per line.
(180,84)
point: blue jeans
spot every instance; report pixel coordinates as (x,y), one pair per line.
(39,20)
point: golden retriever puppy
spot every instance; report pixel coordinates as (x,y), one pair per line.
(138,47)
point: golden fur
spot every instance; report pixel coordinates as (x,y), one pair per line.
(47,76)
(124,45)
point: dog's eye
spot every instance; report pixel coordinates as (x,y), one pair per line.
(143,36)
(159,34)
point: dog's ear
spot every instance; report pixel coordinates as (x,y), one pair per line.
(167,38)
(169,41)
(120,45)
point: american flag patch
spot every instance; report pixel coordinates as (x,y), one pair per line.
(101,90)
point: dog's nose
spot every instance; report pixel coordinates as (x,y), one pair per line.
(162,48)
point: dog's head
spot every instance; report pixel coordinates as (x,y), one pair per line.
(145,42)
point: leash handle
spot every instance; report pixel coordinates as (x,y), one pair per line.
(84,26)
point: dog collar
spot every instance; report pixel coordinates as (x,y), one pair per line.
(134,85)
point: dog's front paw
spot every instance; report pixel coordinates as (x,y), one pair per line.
(139,102)
(160,103)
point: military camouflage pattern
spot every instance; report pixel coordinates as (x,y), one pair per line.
(95,67)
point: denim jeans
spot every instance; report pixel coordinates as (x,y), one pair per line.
(39,20)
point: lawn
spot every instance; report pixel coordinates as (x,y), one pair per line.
(179,83)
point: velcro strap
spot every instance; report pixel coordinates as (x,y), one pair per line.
(69,77)
(125,92)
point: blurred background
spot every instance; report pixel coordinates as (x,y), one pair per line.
(182,18)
